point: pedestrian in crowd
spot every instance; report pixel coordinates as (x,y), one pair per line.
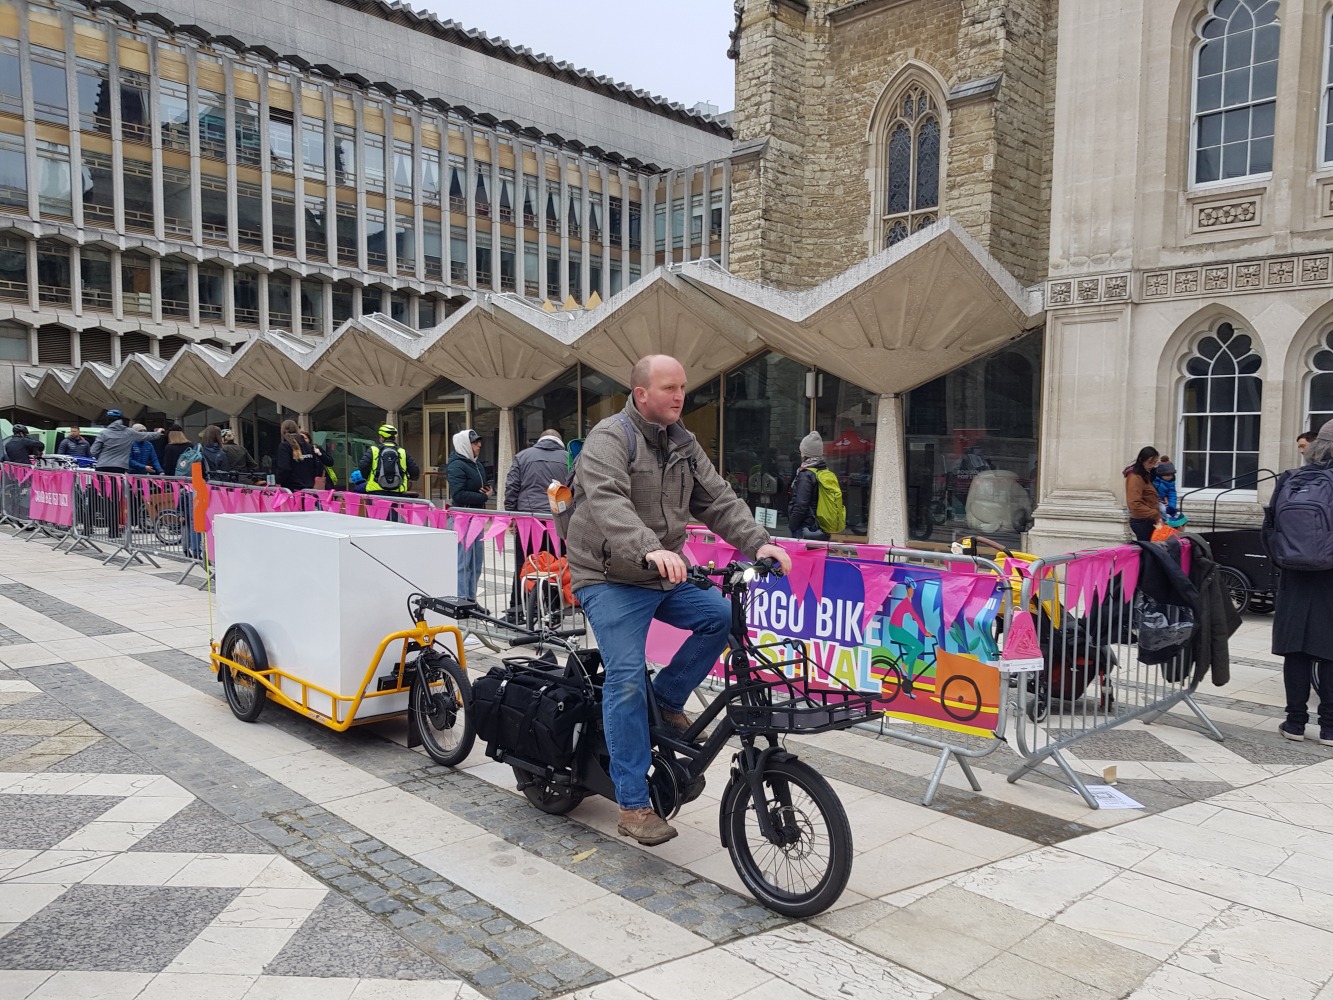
(116,440)
(238,459)
(1303,442)
(177,443)
(1303,625)
(805,487)
(386,465)
(112,450)
(467,488)
(1140,495)
(143,457)
(624,543)
(75,445)
(211,453)
(22,449)
(525,492)
(298,461)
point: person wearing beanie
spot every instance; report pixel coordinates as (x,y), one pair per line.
(1303,621)
(1164,482)
(801,519)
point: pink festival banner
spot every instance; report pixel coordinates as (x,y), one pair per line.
(49,500)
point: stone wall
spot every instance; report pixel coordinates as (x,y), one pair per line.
(809,78)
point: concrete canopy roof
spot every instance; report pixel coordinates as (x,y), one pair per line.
(889,324)
(895,321)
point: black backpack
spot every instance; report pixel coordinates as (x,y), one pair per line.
(389,470)
(1297,531)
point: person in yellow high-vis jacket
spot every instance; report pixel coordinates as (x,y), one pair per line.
(386,465)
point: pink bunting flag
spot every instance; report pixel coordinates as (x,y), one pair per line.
(878,581)
(525,526)
(1022,652)
(476,524)
(798,577)
(497,530)
(1127,564)
(956,590)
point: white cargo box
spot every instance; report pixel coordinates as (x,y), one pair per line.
(323,589)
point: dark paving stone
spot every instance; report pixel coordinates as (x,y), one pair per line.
(104,757)
(11,745)
(69,615)
(8,637)
(201,829)
(339,939)
(1270,748)
(38,706)
(113,928)
(39,822)
(1127,745)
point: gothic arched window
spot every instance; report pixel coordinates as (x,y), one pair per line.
(1235,90)
(1319,385)
(1219,411)
(913,142)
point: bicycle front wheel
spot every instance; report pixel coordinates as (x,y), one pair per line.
(803,869)
(440,703)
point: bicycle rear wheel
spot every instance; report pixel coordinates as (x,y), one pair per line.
(806,870)
(440,702)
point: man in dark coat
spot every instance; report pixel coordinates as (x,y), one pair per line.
(1303,626)
(525,491)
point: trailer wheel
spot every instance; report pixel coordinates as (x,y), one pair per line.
(1237,586)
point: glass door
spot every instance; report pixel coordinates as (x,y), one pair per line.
(441,424)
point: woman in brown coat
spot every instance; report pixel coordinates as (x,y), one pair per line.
(1141,495)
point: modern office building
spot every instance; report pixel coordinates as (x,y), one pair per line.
(988,248)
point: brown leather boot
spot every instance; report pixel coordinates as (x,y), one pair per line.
(645,826)
(678,721)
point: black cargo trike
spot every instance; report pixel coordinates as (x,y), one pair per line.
(782,823)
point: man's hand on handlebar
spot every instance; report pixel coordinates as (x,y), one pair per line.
(778,554)
(669,565)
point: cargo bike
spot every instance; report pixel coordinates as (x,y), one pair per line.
(780,820)
(429,673)
(1248,574)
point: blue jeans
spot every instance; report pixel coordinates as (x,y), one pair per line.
(469,568)
(620,615)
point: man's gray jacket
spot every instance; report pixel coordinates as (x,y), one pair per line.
(112,445)
(531,473)
(623,513)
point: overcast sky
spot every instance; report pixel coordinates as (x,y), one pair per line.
(677,51)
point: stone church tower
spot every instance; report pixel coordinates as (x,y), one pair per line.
(823,86)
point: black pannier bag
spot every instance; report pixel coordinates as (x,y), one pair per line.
(530,710)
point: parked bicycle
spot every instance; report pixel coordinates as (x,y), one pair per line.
(781,822)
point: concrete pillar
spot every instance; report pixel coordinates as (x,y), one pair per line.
(234,422)
(888,492)
(391,417)
(303,421)
(505,454)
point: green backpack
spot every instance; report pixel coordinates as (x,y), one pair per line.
(830,513)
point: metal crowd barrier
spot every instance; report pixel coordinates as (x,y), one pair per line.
(1094,678)
(946,748)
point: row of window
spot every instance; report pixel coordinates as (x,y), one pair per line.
(134,284)
(291,166)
